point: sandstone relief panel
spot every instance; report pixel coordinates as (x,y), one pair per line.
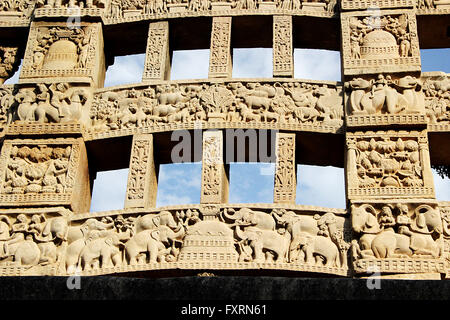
(383,41)
(32,241)
(208,237)
(47,103)
(118,10)
(436,88)
(388,164)
(289,104)
(397,237)
(44,172)
(385,100)
(57,51)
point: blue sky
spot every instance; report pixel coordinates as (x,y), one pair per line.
(250,182)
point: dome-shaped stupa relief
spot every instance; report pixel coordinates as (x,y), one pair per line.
(209,240)
(379,43)
(62,54)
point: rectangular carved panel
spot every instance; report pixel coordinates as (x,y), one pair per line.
(56,51)
(220,64)
(377,41)
(142,180)
(157,58)
(397,237)
(385,99)
(214,187)
(34,241)
(44,172)
(388,164)
(285,173)
(283,64)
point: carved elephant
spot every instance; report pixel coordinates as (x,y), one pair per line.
(25,252)
(389,244)
(80,232)
(57,227)
(104,249)
(245,217)
(153,242)
(261,241)
(150,221)
(321,248)
(296,225)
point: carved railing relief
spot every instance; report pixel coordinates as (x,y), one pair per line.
(169,106)
(209,237)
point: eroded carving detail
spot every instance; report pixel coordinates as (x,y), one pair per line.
(283,64)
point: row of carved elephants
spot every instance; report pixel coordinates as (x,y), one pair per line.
(302,239)
(280,103)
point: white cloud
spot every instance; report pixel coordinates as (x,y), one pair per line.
(320,186)
(252,63)
(442,187)
(109,190)
(190,64)
(125,70)
(317,64)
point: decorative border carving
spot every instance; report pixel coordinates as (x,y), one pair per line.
(285,173)
(283,61)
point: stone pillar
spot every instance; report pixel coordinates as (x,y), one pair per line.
(214,172)
(426,163)
(157,55)
(283,62)
(142,179)
(285,184)
(220,60)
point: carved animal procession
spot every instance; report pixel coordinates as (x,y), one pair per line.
(386,123)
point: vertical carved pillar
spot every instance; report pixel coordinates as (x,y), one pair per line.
(214,172)
(283,64)
(142,180)
(157,57)
(426,163)
(220,61)
(285,173)
(352,173)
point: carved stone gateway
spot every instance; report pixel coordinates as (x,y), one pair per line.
(386,123)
